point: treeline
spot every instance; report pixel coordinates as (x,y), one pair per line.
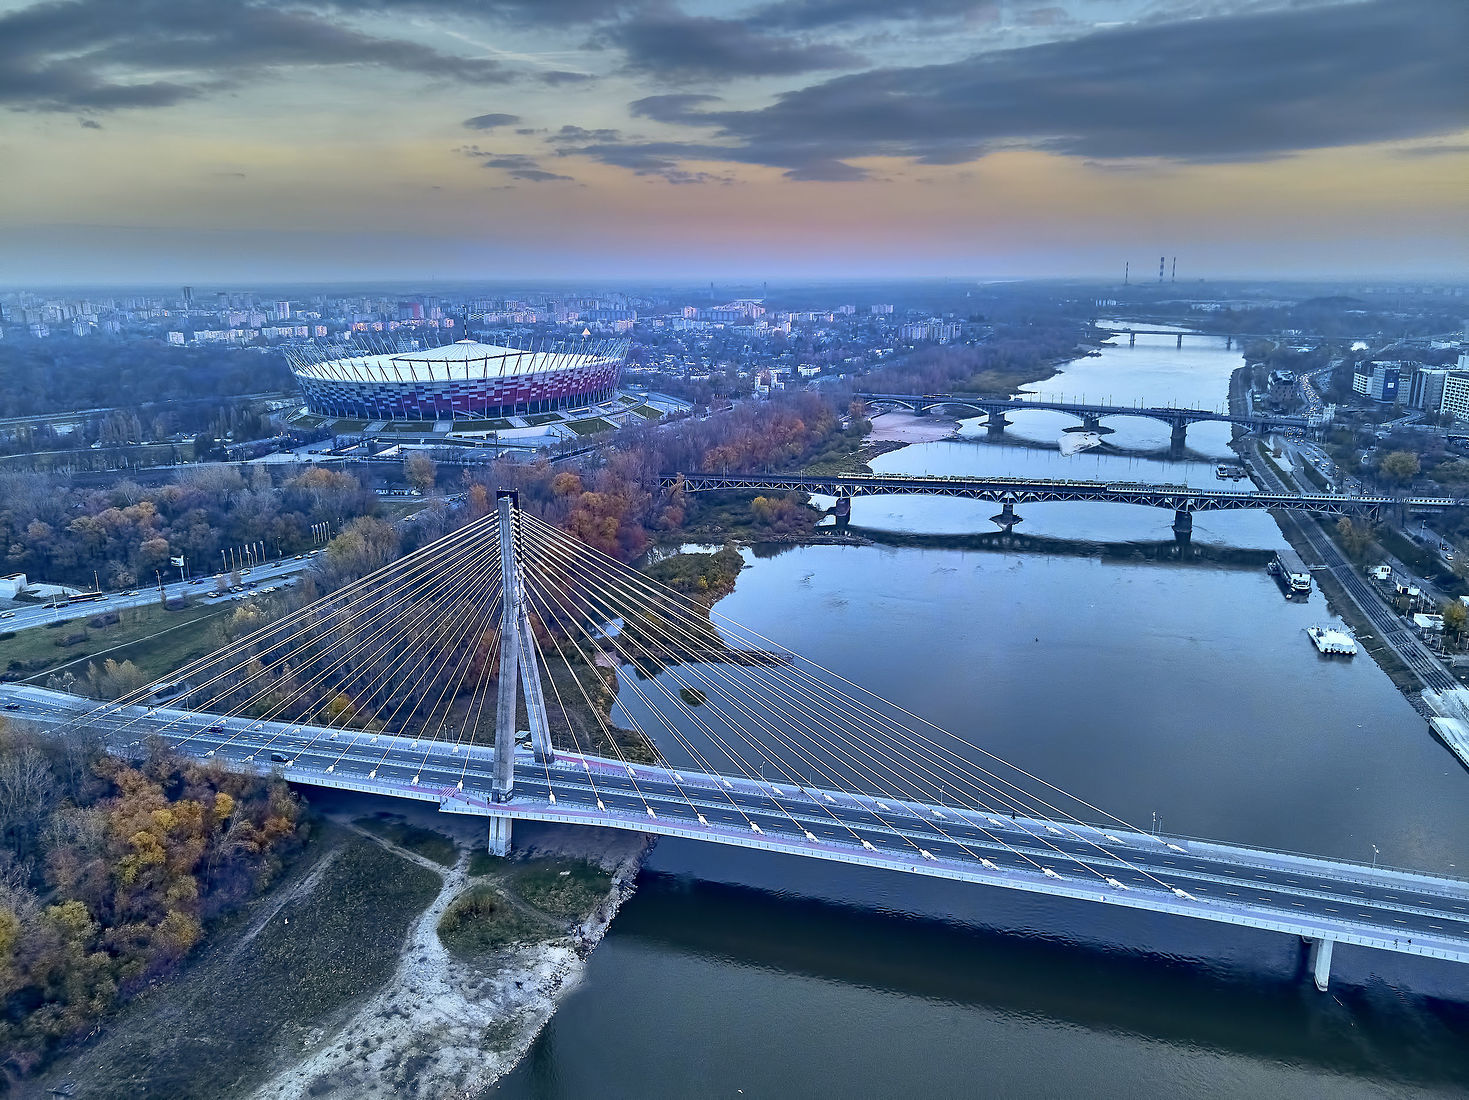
(108,873)
(61,375)
(614,503)
(62,534)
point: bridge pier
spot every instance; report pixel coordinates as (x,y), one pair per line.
(499,842)
(1228,343)
(1178,438)
(1183,522)
(1180,340)
(1007,517)
(1092,423)
(995,422)
(1132,339)
(843,509)
(1320,961)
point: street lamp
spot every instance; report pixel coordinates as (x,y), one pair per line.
(1374,856)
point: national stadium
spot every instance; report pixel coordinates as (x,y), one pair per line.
(463,380)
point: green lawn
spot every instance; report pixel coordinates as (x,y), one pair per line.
(648,412)
(540,419)
(157,641)
(590,427)
(496,424)
(566,888)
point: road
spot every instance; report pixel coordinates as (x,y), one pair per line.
(29,614)
(1347,902)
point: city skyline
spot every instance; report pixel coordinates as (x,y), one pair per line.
(167,141)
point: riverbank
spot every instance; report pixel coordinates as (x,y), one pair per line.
(335,983)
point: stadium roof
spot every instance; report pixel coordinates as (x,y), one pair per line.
(462,360)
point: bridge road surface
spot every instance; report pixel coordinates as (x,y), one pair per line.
(1394,910)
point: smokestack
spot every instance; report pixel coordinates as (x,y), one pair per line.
(1126,273)
(1173,277)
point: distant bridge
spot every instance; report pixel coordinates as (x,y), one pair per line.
(1010,491)
(1089,413)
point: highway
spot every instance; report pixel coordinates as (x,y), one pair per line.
(1344,902)
(30,614)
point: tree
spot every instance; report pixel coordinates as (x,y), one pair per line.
(1355,540)
(1400,466)
(419,471)
(1455,616)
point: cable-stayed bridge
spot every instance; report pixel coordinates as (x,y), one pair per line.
(436,679)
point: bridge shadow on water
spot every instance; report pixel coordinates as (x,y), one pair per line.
(1230,990)
(1177,549)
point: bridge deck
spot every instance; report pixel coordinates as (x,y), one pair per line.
(1020,490)
(1389,909)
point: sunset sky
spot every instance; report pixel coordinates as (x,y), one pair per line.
(291,140)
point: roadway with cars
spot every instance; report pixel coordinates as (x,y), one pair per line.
(1350,903)
(19,616)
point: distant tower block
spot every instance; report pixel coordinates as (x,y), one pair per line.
(1173,275)
(1127,273)
(1160,268)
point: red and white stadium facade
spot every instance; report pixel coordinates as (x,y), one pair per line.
(463,380)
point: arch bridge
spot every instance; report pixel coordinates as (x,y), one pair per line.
(1090,414)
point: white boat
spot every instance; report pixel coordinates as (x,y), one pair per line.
(1332,642)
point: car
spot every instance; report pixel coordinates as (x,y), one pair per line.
(12,706)
(300,557)
(131,592)
(7,614)
(218,727)
(245,572)
(279,758)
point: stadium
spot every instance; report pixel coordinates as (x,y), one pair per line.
(462,380)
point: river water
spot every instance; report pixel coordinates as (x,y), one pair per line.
(1155,683)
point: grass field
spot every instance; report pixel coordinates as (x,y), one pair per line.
(410,426)
(425,842)
(566,888)
(496,424)
(648,412)
(540,419)
(590,426)
(157,641)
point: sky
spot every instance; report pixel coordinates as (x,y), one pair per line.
(209,141)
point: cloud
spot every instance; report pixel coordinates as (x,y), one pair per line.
(101,54)
(489,122)
(521,167)
(557,77)
(90,124)
(678,107)
(1434,150)
(673,46)
(819,14)
(1238,88)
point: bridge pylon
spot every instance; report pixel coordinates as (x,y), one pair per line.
(518,665)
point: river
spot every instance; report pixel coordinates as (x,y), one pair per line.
(1184,689)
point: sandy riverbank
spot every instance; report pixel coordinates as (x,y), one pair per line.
(905,427)
(443,1027)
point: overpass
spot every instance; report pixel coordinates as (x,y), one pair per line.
(1010,491)
(777,753)
(1089,413)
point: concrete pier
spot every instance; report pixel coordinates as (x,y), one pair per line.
(996,423)
(1179,437)
(1007,517)
(843,508)
(1183,522)
(1320,960)
(499,841)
